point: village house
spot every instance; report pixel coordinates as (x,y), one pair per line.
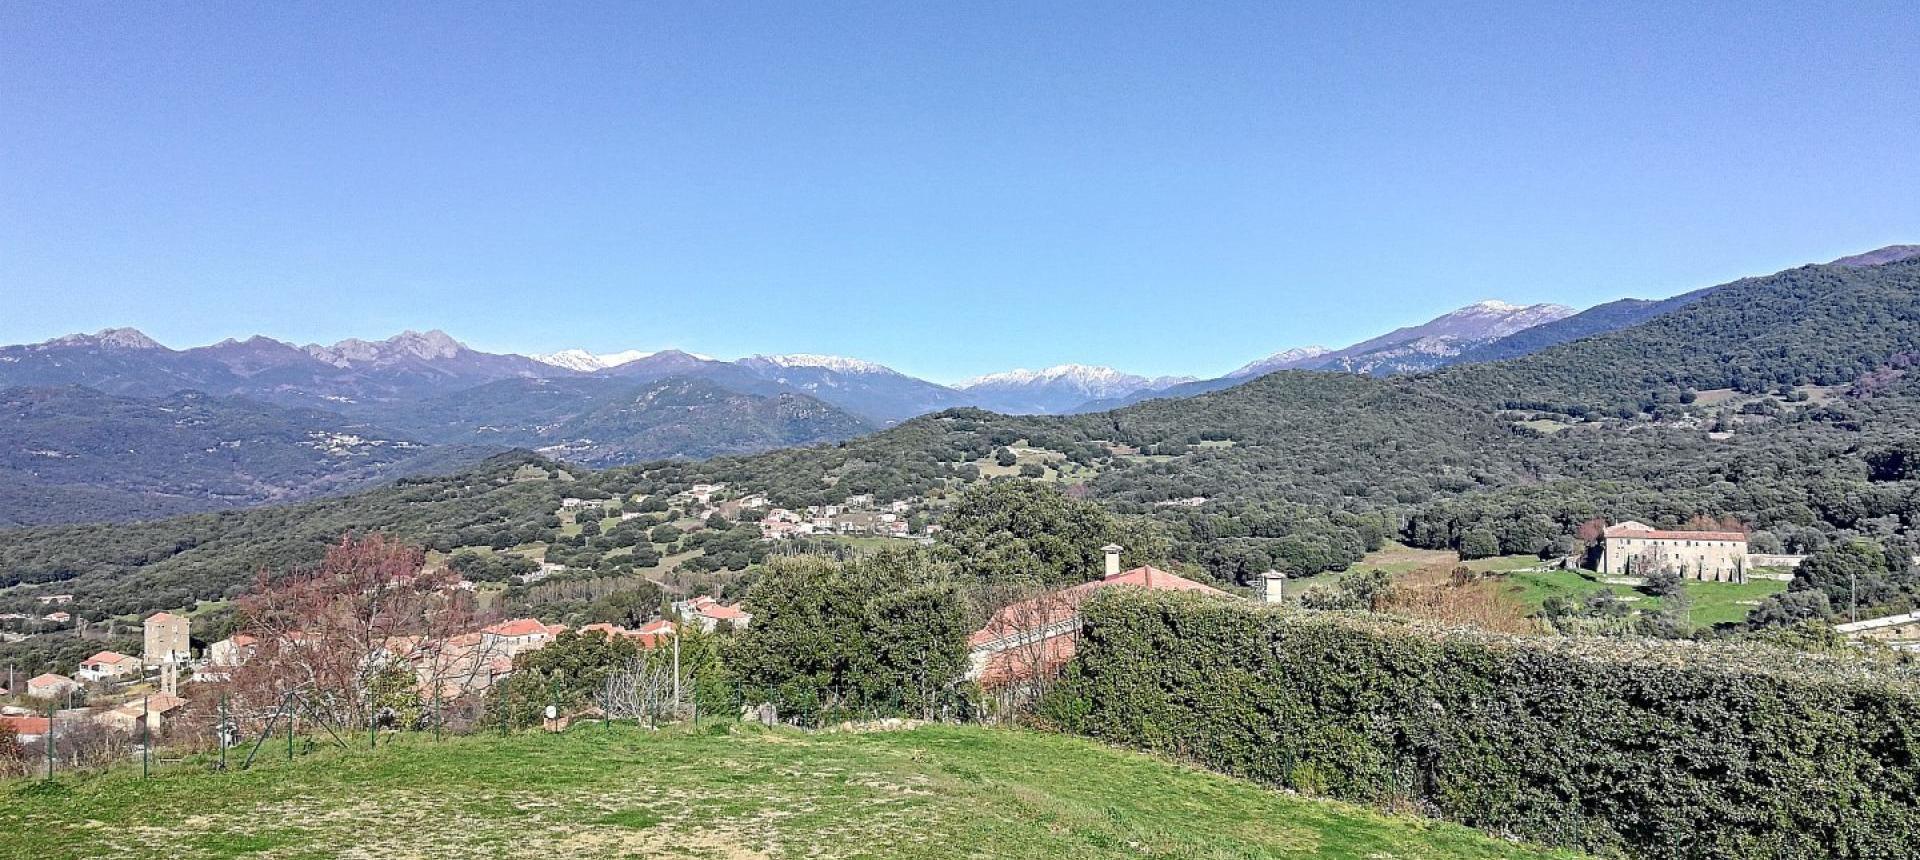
(709,613)
(109,666)
(27,729)
(570,503)
(1037,636)
(232,651)
(51,686)
(648,636)
(57,617)
(52,599)
(1637,549)
(509,639)
(168,639)
(156,709)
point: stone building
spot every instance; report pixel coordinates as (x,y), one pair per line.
(1637,549)
(168,639)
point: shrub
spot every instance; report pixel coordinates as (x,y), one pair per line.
(1657,750)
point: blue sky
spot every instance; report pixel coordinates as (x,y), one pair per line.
(947,188)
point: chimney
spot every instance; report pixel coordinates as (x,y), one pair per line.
(1113,559)
(1273,587)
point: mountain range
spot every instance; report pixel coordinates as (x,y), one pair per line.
(1786,401)
(257,408)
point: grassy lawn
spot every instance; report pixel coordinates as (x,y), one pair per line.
(719,792)
(1717,602)
(1396,557)
(1532,588)
(1713,602)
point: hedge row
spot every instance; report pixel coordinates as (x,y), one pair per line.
(1655,750)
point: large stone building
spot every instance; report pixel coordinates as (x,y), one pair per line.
(168,639)
(1637,549)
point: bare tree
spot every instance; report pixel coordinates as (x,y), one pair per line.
(1026,643)
(643,690)
(327,633)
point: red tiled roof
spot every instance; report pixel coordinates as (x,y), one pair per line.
(106,658)
(48,678)
(163,616)
(26,725)
(723,612)
(1049,609)
(517,627)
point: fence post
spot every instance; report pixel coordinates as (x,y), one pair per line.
(222,731)
(291,716)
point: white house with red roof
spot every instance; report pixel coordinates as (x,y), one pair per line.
(709,613)
(108,666)
(1037,636)
(51,686)
(233,650)
(1637,549)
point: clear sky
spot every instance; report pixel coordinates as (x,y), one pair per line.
(948,188)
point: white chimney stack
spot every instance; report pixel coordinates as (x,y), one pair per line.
(1273,587)
(1113,559)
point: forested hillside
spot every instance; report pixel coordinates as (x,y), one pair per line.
(1819,325)
(73,454)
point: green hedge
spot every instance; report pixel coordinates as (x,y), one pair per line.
(1656,750)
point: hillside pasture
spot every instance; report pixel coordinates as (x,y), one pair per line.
(722,791)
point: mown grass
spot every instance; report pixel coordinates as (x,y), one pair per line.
(719,792)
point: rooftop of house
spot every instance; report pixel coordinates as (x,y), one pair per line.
(46,678)
(26,725)
(1063,604)
(108,658)
(1642,531)
(163,618)
(518,627)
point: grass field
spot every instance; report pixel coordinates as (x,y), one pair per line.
(722,792)
(1713,602)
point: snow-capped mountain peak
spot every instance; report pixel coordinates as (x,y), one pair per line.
(1287,358)
(1084,375)
(835,363)
(587,362)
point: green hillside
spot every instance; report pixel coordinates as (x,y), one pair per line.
(718,793)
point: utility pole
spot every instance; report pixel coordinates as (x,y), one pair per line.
(1853,598)
(51,710)
(223,732)
(676,674)
(146,739)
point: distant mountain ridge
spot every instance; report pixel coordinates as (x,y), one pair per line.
(1432,343)
(1060,388)
(81,455)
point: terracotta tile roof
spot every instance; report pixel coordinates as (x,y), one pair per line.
(26,725)
(1064,605)
(107,658)
(723,611)
(163,616)
(517,627)
(49,678)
